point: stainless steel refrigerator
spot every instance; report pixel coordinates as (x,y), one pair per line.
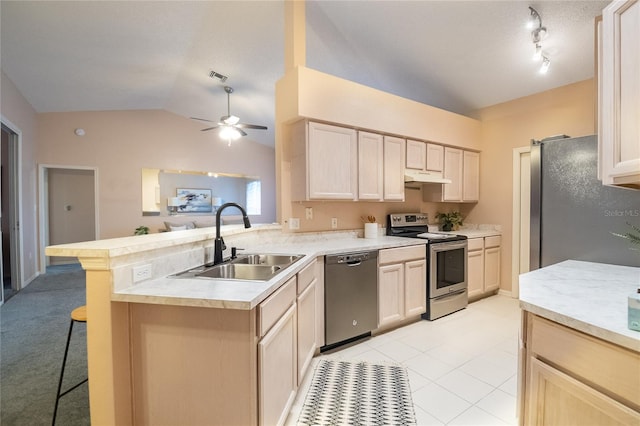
(574,216)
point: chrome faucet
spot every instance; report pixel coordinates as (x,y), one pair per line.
(219,242)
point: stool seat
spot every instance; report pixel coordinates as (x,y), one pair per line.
(79,314)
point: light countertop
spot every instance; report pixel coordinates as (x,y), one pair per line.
(589,297)
(239,294)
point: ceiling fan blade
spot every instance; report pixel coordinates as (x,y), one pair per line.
(209,128)
(201,119)
(251,126)
(243,133)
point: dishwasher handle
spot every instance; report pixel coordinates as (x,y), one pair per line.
(356,263)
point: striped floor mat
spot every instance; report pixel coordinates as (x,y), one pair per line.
(358,393)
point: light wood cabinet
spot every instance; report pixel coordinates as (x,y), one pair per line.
(619,94)
(307,317)
(277,355)
(470,176)
(402,284)
(475,267)
(483,265)
(435,157)
(370,166)
(393,168)
(569,378)
(463,169)
(324,162)
(416,155)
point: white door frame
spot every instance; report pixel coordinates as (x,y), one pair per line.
(515,222)
(15,195)
(43,203)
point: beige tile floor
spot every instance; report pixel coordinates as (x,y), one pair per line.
(462,368)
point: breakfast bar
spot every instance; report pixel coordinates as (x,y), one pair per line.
(579,363)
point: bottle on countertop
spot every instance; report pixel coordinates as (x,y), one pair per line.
(634,311)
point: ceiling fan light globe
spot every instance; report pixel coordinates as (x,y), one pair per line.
(229,133)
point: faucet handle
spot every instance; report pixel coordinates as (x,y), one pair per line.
(222,244)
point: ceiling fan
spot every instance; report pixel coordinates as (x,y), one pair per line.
(229,125)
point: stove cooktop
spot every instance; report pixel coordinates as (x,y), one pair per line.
(416,225)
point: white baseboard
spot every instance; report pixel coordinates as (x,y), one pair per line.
(505,293)
(29,280)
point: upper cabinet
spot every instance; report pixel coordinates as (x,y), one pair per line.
(370,166)
(338,163)
(435,157)
(424,156)
(619,94)
(463,169)
(393,169)
(324,162)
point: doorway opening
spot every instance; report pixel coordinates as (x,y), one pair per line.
(10,202)
(68,209)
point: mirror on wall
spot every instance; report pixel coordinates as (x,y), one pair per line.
(180,192)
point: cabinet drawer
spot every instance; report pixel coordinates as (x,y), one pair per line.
(275,305)
(492,241)
(475,244)
(306,276)
(613,369)
(401,254)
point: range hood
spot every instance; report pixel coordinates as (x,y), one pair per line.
(421,176)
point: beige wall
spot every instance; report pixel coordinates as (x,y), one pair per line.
(15,108)
(120,143)
(566,110)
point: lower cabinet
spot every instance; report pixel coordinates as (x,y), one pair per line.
(569,378)
(307,317)
(483,265)
(277,355)
(402,284)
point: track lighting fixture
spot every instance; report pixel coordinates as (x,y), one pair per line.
(538,33)
(545,65)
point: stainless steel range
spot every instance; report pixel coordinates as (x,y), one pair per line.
(446,263)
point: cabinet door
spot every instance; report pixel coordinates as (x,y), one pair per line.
(475,272)
(415,287)
(435,157)
(471,176)
(416,155)
(390,293)
(554,398)
(370,166)
(620,102)
(453,171)
(277,368)
(306,328)
(491,269)
(332,162)
(393,169)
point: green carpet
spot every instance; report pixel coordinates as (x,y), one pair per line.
(34,325)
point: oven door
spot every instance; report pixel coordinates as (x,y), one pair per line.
(447,268)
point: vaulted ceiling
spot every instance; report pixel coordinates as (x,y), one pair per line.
(120,55)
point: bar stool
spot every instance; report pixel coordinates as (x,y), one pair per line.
(79,314)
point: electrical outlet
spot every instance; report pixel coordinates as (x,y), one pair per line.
(294,223)
(334,223)
(141,273)
(309,213)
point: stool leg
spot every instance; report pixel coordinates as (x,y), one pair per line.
(64,361)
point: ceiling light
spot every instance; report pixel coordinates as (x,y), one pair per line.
(534,19)
(229,133)
(538,53)
(545,65)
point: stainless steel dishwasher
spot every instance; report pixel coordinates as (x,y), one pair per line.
(350,296)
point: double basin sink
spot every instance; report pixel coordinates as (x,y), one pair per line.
(249,267)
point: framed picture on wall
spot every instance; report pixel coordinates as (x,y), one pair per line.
(194,200)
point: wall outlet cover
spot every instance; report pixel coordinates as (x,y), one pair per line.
(309,213)
(141,273)
(334,223)
(294,223)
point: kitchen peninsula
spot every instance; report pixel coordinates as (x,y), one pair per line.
(578,361)
(163,350)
